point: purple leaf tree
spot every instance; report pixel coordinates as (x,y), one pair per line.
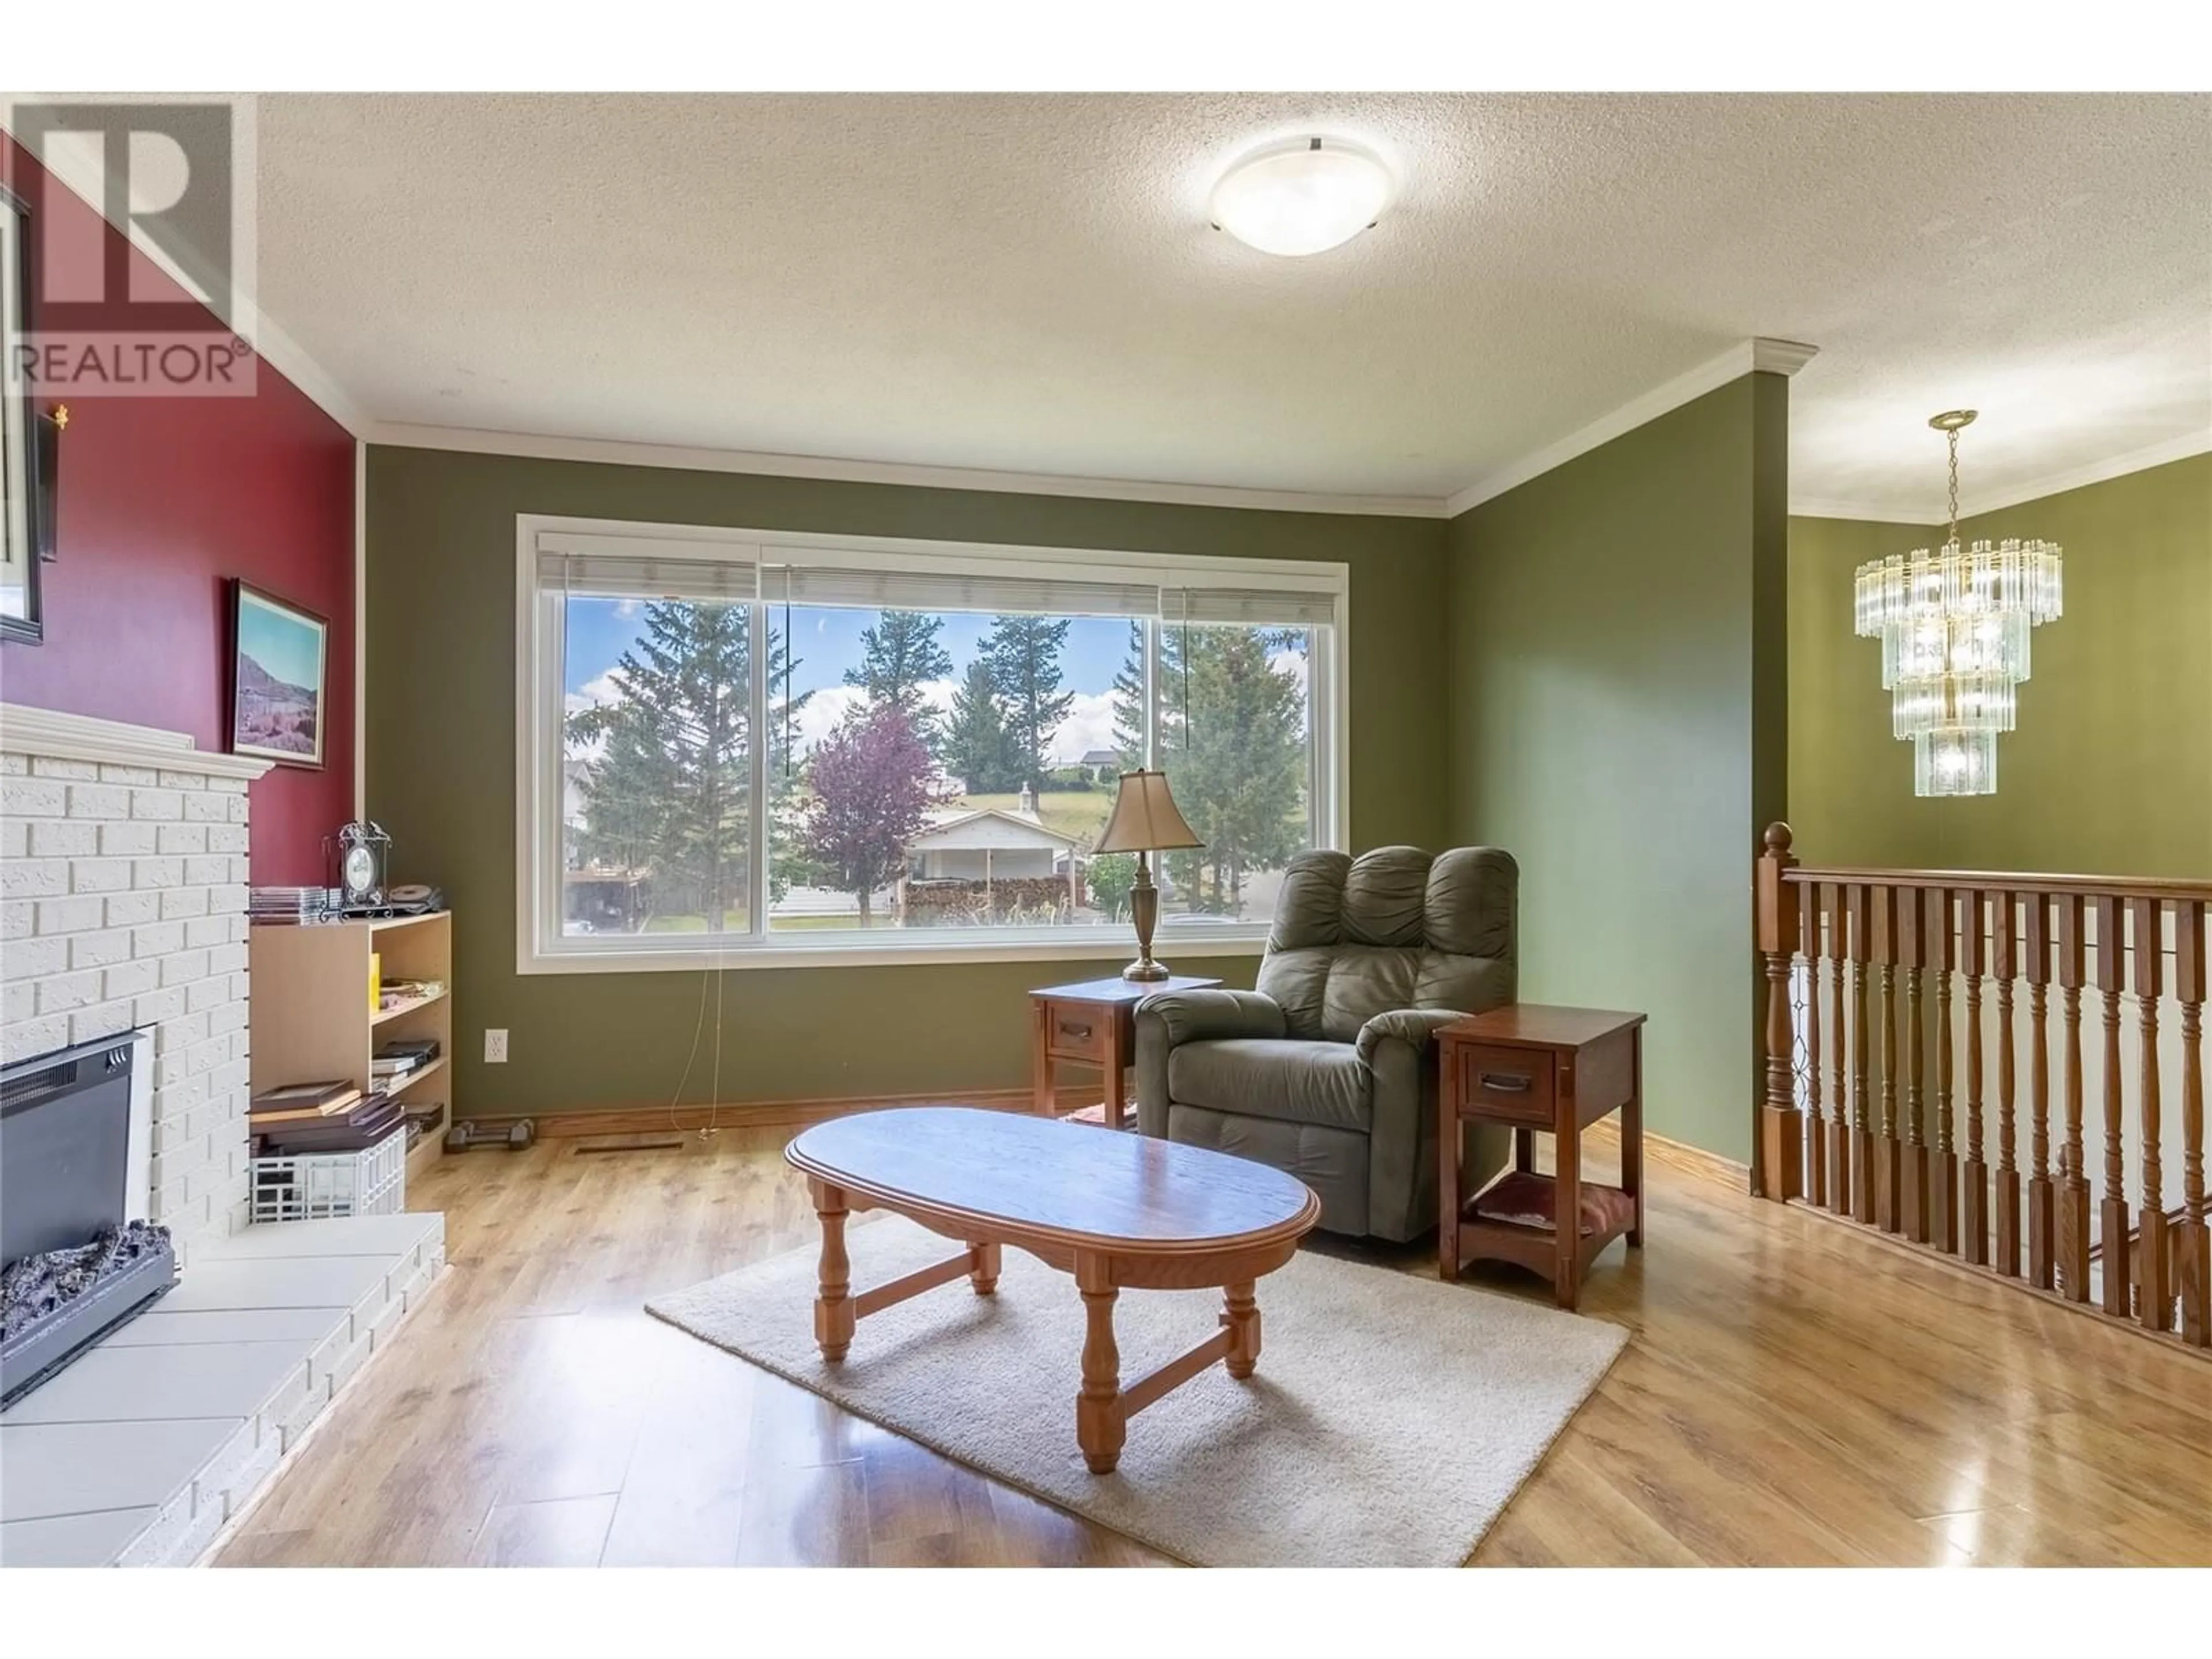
(873,789)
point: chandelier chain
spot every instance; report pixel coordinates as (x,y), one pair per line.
(1954,437)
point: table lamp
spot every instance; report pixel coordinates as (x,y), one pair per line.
(1145,820)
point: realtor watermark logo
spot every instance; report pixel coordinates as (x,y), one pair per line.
(160,310)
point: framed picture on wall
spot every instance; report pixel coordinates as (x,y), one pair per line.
(279,671)
(23,532)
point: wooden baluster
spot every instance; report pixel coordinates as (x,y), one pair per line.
(2072,1183)
(2155,1291)
(2193,1276)
(1912,1164)
(2036,943)
(1887,1166)
(1840,1124)
(2004,952)
(1974,1206)
(1778,1141)
(1860,944)
(1816,1128)
(1943,1162)
(2110,948)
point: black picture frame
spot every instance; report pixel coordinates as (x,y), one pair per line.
(36,470)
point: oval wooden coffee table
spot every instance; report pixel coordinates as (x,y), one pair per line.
(1118,1212)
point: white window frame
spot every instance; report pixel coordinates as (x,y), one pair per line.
(541,947)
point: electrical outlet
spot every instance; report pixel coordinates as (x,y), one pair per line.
(494,1047)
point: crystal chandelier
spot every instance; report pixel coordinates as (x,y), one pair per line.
(1954,625)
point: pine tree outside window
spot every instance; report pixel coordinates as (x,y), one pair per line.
(748,749)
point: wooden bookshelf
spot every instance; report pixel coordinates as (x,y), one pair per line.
(311,1011)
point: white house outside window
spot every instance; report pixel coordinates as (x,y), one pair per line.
(755,749)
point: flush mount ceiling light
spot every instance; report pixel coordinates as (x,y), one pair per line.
(1305,196)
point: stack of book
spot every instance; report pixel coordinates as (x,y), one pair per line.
(320,1117)
(294,904)
(394,1062)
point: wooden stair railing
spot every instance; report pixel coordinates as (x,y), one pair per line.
(1874,1130)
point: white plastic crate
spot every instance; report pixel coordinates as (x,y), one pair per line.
(314,1185)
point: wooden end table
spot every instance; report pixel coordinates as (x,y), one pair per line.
(1534,1068)
(1094,1023)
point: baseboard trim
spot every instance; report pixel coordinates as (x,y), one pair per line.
(744,1114)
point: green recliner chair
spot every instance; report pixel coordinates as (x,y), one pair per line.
(1328,1070)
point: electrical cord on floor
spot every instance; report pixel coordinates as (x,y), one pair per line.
(708,977)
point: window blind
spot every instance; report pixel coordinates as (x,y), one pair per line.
(1255,607)
(630,567)
(947,590)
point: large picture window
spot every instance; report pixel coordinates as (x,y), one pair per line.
(766,749)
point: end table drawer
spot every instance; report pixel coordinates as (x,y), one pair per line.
(1505,1083)
(1077,1030)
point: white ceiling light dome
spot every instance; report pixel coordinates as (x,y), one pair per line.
(1302,197)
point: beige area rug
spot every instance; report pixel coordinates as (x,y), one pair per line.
(1391,1420)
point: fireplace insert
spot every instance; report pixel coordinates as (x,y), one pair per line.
(77,1257)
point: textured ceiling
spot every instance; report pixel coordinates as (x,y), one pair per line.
(1028,283)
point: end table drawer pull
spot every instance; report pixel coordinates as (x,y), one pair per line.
(1072,1031)
(1514,1085)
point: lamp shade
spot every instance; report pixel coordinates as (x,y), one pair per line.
(1145,818)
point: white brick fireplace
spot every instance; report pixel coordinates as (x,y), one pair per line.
(123,907)
(123,885)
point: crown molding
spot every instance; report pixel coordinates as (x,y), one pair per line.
(619,453)
(2050,484)
(2115,466)
(1754,356)
(1780,356)
(1807,507)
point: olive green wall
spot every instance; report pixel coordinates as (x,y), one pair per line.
(1619,693)
(441,740)
(2110,772)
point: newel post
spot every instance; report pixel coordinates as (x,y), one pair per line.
(1778,1134)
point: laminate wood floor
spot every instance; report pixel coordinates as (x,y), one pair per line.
(1795,1394)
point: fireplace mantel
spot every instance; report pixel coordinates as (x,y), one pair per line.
(25,730)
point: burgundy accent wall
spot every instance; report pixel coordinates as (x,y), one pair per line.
(161,500)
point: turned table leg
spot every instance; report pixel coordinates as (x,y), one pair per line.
(983,1267)
(1099,1429)
(833,1307)
(1241,1317)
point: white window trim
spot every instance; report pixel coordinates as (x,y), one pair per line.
(540,947)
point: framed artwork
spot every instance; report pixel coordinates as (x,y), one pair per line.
(26,504)
(279,663)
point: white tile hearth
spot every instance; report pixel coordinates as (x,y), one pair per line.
(139,1452)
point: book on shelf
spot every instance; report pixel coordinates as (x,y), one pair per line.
(302,1101)
(396,1059)
(374,1119)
